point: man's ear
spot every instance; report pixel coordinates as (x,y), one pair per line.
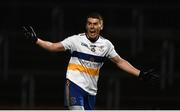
(101,27)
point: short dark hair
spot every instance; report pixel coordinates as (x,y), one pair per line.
(95,15)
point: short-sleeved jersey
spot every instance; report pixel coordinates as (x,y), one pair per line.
(86,60)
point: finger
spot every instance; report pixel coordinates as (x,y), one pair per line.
(155,76)
(24,28)
(32,30)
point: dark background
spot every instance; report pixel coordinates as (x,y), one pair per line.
(144,33)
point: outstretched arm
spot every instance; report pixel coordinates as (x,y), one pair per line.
(31,35)
(53,47)
(149,75)
(125,65)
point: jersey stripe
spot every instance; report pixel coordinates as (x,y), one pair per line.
(88,57)
(77,67)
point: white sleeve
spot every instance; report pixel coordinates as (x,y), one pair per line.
(111,51)
(68,43)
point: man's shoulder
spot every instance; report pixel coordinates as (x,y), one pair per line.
(82,34)
(79,34)
(75,38)
(105,39)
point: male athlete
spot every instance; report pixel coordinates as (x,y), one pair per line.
(88,51)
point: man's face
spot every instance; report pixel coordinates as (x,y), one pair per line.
(93,27)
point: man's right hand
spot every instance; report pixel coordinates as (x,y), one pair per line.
(30,34)
(150,76)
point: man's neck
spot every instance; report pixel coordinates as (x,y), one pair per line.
(92,39)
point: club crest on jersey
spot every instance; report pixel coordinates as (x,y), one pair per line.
(93,49)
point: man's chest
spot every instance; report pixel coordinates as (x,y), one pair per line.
(96,49)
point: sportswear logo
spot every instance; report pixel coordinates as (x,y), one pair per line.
(92,59)
(101,48)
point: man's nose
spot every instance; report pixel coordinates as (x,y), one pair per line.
(91,26)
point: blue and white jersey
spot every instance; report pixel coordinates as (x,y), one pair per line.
(86,60)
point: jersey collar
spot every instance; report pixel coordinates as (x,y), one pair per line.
(92,40)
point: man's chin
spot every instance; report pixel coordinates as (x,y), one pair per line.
(93,35)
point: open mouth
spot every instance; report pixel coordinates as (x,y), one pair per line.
(92,31)
(93,34)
